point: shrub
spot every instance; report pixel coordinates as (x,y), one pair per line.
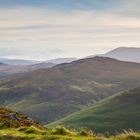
(60,130)
(127,135)
(32,130)
(7,137)
(84,132)
(3,126)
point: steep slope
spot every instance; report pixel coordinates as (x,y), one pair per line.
(11,119)
(50,94)
(115,113)
(125,54)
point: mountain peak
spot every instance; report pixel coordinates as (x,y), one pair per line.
(126,49)
(125,54)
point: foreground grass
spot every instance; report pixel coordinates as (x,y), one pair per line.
(126,135)
(60,133)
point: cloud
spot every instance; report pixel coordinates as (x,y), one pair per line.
(44,33)
(129,8)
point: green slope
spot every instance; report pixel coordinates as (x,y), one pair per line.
(115,113)
(16,126)
(50,94)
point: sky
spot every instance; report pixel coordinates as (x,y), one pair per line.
(47,29)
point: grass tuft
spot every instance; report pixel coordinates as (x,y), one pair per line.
(32,130)
(61,130)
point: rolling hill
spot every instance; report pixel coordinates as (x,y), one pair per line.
(115,113)
(50,94)
(16,126)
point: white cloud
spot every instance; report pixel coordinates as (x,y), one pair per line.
(40,33)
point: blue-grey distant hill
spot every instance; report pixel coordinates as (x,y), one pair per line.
(18,61)
(32,62)
(125,54)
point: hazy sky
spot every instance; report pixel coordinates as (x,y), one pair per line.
(45,29)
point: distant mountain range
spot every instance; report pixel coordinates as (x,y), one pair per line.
(31,62)
(115,113)
(129,54)
(9,67)
(50,94)
(18,61)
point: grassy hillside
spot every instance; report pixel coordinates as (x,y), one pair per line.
(115,113)
(50,94)
(16,126)
(61,133)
